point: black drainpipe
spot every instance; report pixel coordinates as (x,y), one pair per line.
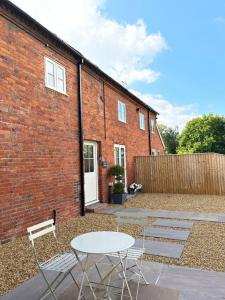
(149,134)
(81,137)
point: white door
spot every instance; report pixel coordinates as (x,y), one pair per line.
(91,172)
(120,159)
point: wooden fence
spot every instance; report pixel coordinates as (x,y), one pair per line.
(202,173)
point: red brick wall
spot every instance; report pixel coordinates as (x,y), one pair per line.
(102,125)
(156,142)
(39,149)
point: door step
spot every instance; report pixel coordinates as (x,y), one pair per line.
(96,207)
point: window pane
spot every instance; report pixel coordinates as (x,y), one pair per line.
(122,157)
(91,161)
(60,79)
(124,112)
(50,80)
(50,67)
(152,125)
(117,155)
(50,74)
(60,85)
(85,151)
(60,73)
(142,121)
(90,151)
(121,111)
(86,165)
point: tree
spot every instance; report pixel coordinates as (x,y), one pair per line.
(170,137)
(203,134)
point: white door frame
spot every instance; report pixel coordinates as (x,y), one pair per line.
(125,161)
(96,168)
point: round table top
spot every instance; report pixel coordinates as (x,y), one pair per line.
(102,242)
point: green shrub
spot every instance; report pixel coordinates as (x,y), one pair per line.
(118,187)
(116,171)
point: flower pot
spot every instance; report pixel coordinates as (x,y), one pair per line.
(119,198)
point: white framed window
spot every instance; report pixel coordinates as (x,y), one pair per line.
(152,125)
(154,152)
(142,121)
(55,76)
(122,112)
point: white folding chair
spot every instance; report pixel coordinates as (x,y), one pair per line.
(62,263)
(133,255)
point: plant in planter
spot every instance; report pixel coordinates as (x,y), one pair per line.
(118,196)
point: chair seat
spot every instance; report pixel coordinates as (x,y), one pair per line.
(131,253)
(60,263)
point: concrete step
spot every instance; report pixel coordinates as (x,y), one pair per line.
(96,207)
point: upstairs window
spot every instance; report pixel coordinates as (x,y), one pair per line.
(152,126)
(55,76)
(122,112)
(142,121)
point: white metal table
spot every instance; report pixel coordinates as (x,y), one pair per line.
(102,242)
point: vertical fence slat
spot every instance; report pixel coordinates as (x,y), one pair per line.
(202,173)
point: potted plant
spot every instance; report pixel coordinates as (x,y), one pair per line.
(118,195)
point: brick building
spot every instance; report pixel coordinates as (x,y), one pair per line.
(55,105)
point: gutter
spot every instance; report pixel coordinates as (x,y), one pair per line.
(81,138)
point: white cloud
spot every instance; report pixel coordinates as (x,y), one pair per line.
(220,20)
(124,51)
(171,115)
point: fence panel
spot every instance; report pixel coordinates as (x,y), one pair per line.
(202,173)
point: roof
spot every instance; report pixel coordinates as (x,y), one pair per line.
(62,44)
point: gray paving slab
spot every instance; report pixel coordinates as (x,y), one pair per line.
(193,295)
(181,235)
(109,211)
(161,248)
(173,223)
(208,283)
(166,283)
(186,215)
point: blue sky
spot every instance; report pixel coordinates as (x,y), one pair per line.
(170,53)
(193,67)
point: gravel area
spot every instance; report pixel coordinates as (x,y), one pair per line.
(205,247)
(195,203)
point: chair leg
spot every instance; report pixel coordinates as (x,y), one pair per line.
(141,273)
(49,287)
(123,265)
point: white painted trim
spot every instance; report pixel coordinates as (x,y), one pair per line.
(97,171)
(125,162)
(55,66)
(141,115)
(125,110)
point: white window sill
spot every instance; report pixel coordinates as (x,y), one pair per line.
(123,122)
(52,89)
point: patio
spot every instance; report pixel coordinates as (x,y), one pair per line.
(167,282)
(190,236)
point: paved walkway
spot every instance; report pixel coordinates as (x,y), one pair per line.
(168,214)
(167,282)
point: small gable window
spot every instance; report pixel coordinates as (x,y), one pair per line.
(142,121)
(55,76)
(122,112)
(152,125)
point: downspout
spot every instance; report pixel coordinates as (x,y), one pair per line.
(149,133)
(81,138)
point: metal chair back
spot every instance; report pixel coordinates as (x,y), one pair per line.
(130,218)
(39,230)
